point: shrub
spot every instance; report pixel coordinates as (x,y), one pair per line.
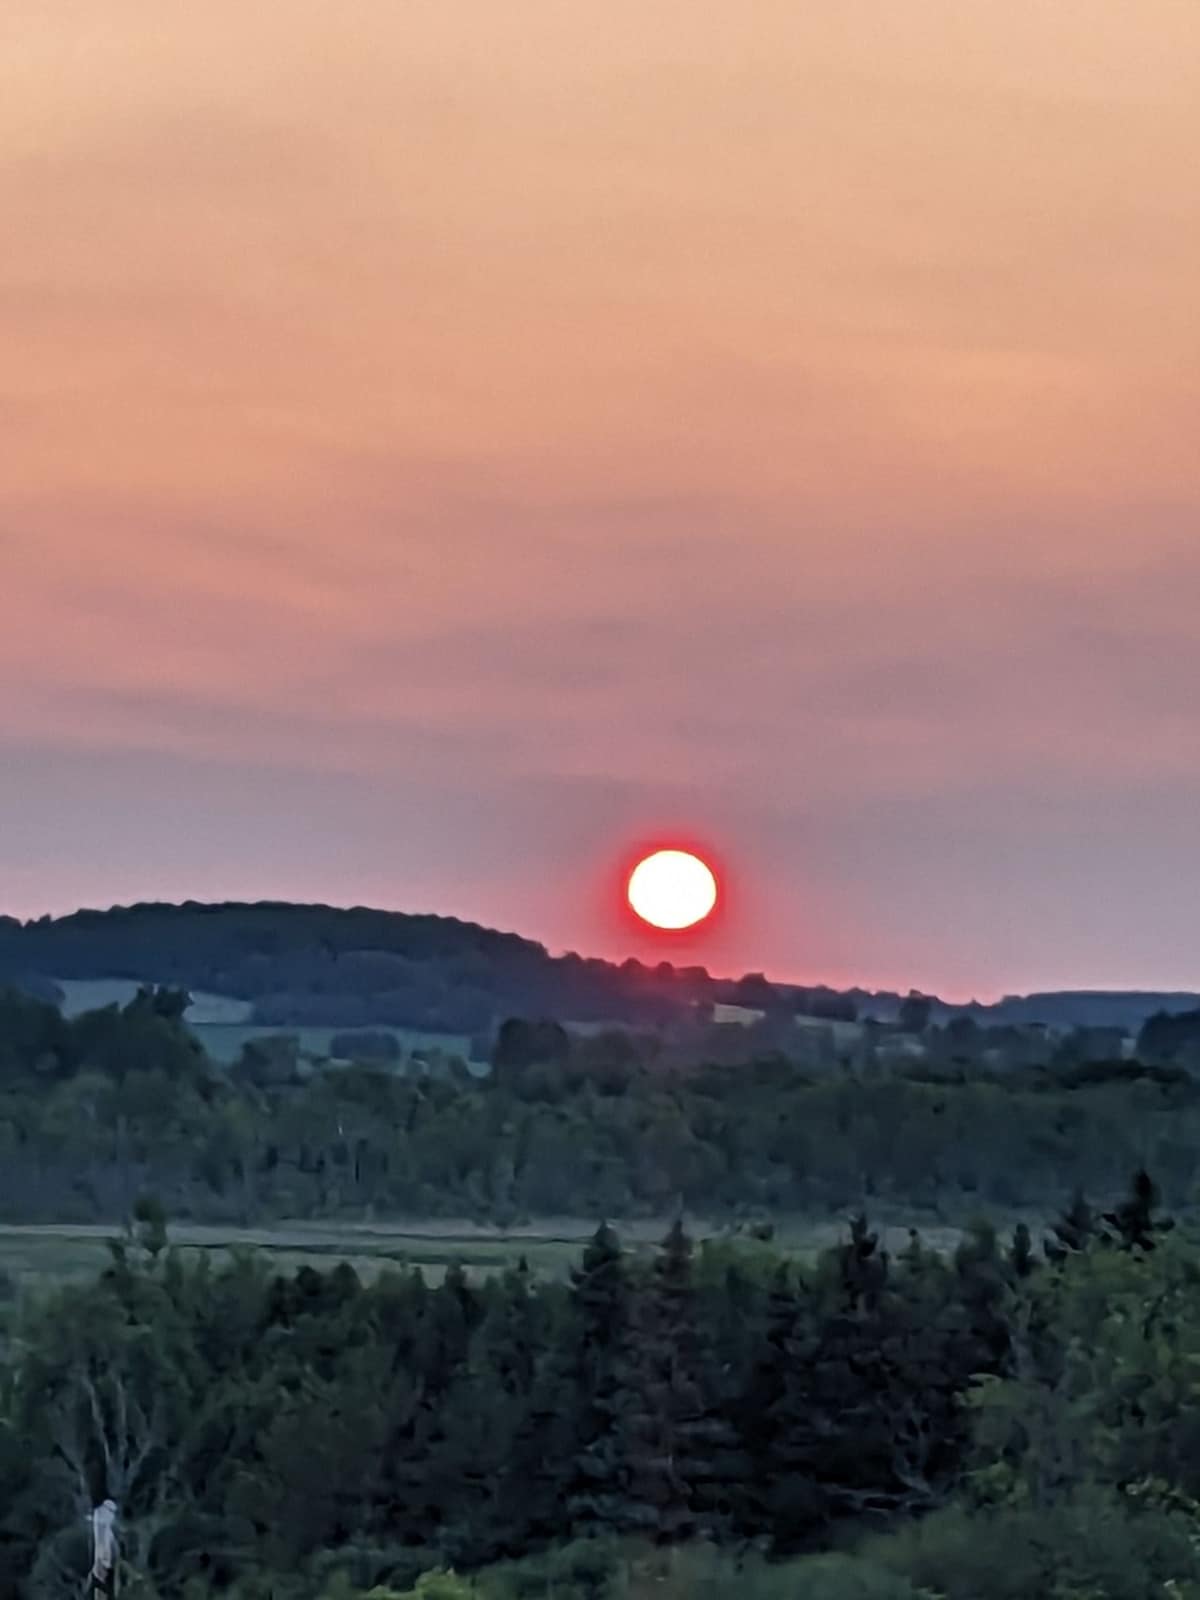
(1092,1547)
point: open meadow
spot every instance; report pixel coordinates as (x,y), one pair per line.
(39,1254)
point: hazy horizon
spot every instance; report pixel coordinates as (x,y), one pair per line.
(444,445)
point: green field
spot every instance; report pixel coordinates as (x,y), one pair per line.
(49,1252)
(43,1253)
(223,1024)
(91,994)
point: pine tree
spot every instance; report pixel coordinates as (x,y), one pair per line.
(436,1347)
(794,1502)
(1133,1223)
(1021,1259)
(679,1445)
(982,1290)
(598,1471)
(865,1418)
(652,1499)
(475,1432)
(863,1266)
(774,1414)
(531,1343)
(704,1441)
(541,1469)
(850,1450)
(512,1330)
(932,1357)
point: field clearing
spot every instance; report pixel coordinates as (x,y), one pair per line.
(224,1024)
(224,1041)
(40,1254)
(842,1033)
(92,994)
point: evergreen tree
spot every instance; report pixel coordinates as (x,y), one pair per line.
(438,1346)
(679,1445)
(862,1265)
(512,1331)
(597,1475)
(933,1357)
(1134,1224)
(526,1383)
(982,1293)
(1021,1259)
(849,1443)
(704,1442)
(778,1495)
(541,1465)
(866,1418)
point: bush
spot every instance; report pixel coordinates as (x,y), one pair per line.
(586,1569)
(1093,1547)
(707,1574)
(368,1044)
(437,1585)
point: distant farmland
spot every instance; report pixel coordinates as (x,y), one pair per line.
(47,1253)
(224,1041)
(91,994)
(223,1023)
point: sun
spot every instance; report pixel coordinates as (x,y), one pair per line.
(672,889)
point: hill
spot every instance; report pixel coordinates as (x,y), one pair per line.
(1088,1008)
(319,966)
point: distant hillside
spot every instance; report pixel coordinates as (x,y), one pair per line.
(1089,1008)
(1126,1009)
(322,967)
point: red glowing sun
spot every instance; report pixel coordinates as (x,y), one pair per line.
(672,889)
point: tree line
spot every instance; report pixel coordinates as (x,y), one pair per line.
(321,965)
(98,1109)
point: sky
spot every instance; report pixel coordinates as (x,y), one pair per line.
(444,444)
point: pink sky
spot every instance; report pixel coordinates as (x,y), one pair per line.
(442,442)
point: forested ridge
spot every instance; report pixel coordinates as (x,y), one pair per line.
(350,967)
(99,1109)
(322,965)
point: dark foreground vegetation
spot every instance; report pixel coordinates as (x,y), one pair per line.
(1003,1425)
(1015,1421)
(97,1110)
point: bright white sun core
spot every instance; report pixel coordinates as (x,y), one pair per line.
(672,889)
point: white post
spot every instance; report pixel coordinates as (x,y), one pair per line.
(104,1551)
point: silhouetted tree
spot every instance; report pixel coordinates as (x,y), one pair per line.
(1134,1223)
(915,1012)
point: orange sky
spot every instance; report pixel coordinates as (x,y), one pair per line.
(441,441)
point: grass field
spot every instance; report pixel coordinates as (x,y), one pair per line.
(223,1024)
(49,1252)
(224,1041)
(44,1253)
(90,994)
